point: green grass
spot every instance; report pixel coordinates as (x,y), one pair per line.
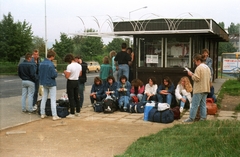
(206,138)
(229,87)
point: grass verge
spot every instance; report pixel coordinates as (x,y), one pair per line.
(206,138)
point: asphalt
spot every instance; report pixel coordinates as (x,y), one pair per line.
(11,114)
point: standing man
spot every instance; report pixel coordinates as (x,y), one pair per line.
(201,87)
(72,74)
(27,72)
(47,77)
(82,79)
(122,62)
(35,59)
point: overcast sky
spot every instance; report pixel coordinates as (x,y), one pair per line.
(62,15)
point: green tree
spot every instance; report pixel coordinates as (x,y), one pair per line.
(233,29)
(115,45)
(15,38)
(63,47)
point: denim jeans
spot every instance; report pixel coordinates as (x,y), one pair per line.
(182,104)
(123,69)
(198,99)
(168,98)
(28,88)
(152,98)
(123,101)
(52,91)
(72,91)
(35,96)
(140,96)
(98,98)
(81,95)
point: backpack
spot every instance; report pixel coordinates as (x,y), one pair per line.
(98,107)
(109,106)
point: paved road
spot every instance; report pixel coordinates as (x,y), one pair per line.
(10,86)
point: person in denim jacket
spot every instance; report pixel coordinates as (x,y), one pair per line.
(110,88)
(27,72)
(123,92)
(165,91)
(96,90)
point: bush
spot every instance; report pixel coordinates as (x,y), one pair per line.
(8,68)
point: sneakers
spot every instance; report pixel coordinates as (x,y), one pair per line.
(188,120)
(125,108)
(70,116)
(56,118)
(77,114)
(181,109)
(34,108)
(24,111)
(43,116)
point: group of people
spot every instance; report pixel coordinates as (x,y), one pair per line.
(113,82)
(34,73)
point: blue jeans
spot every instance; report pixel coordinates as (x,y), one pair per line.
(168,98)
(182,104)
(140,96)
(28,88)
(52,91)
(35,96)
(123,69)
(123,101)
(81,95)
(198,99)
(152,98)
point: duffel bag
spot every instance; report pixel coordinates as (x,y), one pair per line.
(211,106)
(166,116)
(137,107)
(98,107)
(62,111)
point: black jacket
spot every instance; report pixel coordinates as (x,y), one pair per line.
(83,78)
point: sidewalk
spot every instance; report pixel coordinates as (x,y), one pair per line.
(11,115)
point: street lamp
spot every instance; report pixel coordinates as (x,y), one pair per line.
(136,10)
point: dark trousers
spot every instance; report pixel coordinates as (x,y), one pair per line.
(81,95)
(72,91)
(35,96)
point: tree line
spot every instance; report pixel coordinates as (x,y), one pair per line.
(17,38)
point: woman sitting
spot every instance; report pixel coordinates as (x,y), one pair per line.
(165,91)
(150,90)
(110,88)
(137,89)
(96,90)
(123,92)
(183,92)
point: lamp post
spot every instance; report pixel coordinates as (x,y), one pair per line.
(136,10)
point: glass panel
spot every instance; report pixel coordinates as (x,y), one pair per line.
(178,52)
(150,52)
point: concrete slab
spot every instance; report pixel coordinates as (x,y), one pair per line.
(226,113)
(225,118)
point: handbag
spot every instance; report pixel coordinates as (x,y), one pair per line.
(211,106)
(135,99)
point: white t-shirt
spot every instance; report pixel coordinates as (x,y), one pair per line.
(74,69)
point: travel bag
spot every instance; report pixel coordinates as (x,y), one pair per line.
(137,107)
(166,116)
(211,106)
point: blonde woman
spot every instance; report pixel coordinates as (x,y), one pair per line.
(183,92)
